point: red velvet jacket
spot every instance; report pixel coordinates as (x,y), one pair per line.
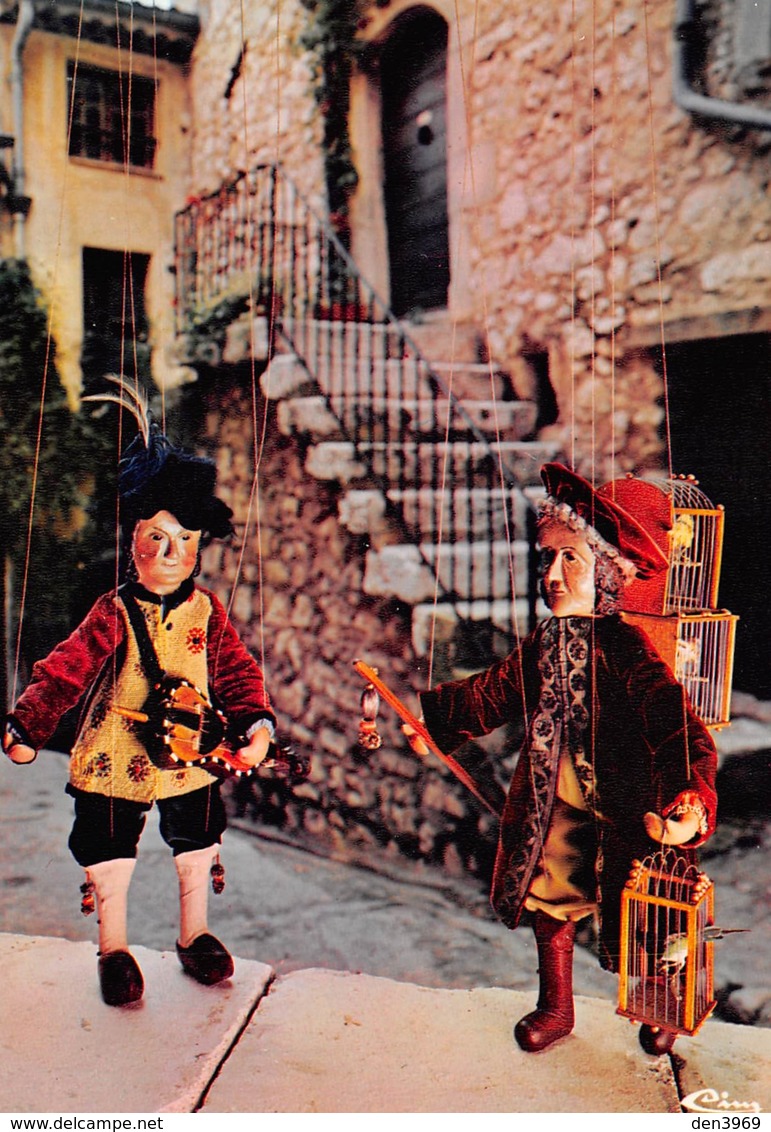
(58,682)
(646,746)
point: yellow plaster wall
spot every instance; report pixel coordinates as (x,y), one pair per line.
(6,127)
(78,203)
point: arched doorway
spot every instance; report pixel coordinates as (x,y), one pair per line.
(413,76)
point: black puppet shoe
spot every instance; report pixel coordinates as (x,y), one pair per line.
(656,1041)
(206,960)
(120,978)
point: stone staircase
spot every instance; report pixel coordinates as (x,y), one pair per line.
(433,447)
(441,489)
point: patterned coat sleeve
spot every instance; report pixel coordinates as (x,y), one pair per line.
(235,677)
(58,681)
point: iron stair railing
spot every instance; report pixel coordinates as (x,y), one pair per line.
(256,242)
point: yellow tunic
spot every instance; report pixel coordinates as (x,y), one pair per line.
(563,883)
(108,756)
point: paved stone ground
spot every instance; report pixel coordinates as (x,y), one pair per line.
(315,1040)
(360,955)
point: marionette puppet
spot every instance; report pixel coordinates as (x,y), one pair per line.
(614,758)
(154,657)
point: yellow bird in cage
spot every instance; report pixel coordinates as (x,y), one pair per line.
(681,539)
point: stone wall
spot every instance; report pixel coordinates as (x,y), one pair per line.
(252,95)
(298,604)
(607,216)
(597,218)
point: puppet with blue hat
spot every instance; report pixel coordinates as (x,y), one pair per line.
(159,635)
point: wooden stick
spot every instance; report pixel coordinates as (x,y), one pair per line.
(127,713)
(401,709)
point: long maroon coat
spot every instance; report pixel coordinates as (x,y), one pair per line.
(646,745)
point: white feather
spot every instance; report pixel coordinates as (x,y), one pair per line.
(131,398)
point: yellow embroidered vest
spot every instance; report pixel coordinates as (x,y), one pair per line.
(108,756)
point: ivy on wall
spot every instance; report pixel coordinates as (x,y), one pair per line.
(331,39)
(61,452)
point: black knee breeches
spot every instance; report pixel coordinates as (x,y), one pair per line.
(107,828)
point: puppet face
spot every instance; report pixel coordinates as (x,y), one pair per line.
(567,571)
(164,552)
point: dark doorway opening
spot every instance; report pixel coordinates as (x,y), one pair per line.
(413,74)
(720,410)
(115,341)
(115,327)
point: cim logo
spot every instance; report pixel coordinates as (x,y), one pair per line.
(710,1100)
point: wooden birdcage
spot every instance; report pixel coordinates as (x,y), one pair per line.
(699,648)
(678,607)
(695,549)
(689,529)
(665,969)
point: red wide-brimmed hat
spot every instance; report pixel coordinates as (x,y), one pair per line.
(645,502)
(612,523)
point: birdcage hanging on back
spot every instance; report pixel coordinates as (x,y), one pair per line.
(666,965)
(699,648)
(695,549)
(678,607)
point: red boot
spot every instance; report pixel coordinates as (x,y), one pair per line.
(553,1017)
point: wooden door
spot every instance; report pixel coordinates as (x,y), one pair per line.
(414,96)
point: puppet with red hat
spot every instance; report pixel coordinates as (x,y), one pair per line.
(158,623)
(614,757)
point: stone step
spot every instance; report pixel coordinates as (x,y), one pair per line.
(434,338)
(462,515)
(439,336)
(471,464)
(468,513)
(474,382)
(380,418)
(332,348)
(478,571)
(349,367)
(405,379)
(284,376)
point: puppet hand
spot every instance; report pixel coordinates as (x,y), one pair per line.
(295,768)
(18,753)
(257,747)
(673,831)
(418,745)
